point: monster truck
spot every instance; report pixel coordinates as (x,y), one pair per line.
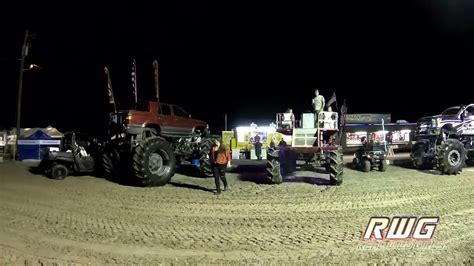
(445,141)
(148,143)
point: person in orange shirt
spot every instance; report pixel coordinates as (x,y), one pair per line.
(220,159)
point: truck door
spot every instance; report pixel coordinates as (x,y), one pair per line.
(166,119)
(470,120)
(182,121)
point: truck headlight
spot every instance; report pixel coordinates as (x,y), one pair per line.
(436,122)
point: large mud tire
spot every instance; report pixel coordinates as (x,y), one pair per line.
(273,168)
(204,161)
(59,171)
(383,166)
(366,165)
(113,165)
(451,157)
(355,163)
(116,161)
(336,167)
(418,158)
(154,162)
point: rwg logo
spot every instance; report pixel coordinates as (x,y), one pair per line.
(400,228)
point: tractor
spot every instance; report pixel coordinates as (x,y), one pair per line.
(317,143)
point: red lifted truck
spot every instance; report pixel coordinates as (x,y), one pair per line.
(148,143)
(166,119)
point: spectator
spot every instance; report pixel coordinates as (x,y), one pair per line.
(220,160)
(258,147)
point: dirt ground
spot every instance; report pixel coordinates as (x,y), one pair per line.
(89,220)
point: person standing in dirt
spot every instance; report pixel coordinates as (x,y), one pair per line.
(318,106)
(389,140)
(258,147)
(220,160)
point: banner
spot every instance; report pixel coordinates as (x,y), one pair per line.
(155,73)
(38,142)
(109,87)
(354,139)
(368,118)
(134,80)
(332,100)
(399,136)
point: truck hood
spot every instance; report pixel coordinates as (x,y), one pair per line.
(443,118)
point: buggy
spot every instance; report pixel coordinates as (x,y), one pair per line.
(77,154)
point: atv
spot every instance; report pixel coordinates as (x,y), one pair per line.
(77,154)
(369,157)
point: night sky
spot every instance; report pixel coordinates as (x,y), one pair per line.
(249,59)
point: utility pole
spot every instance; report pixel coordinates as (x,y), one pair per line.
(225,122)
(24,53)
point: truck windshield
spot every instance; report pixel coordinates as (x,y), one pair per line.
(143,106)
(451,111)
(165,109)
(178,111)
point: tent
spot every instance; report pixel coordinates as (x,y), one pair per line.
(33,142)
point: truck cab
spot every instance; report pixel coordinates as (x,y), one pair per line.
(165,119)
(453,117)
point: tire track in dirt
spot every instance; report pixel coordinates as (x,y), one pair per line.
(321,202)
(286,223)
(140,234)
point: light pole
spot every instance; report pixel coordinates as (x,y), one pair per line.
(24,53)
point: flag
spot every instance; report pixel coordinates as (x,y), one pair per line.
(134,80)
(344,108)
(343,114)
(332,100)
(342,121)
(109,87)
(155,72)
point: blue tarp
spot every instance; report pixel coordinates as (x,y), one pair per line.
(32,146)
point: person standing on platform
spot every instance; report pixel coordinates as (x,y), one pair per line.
(318,105)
